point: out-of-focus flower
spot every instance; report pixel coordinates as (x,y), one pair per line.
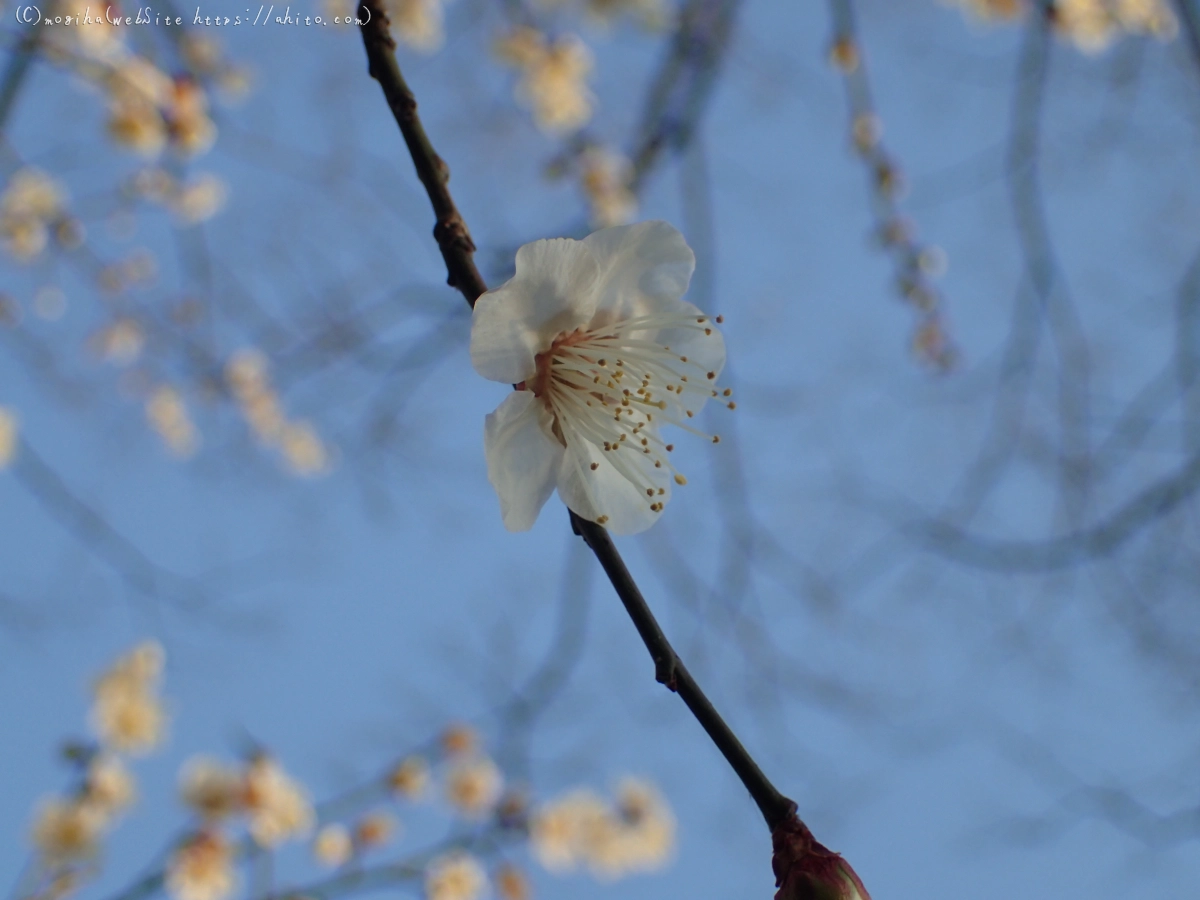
(1091,25)
(473,785)
(202,868)
(410,779)
(654,15)
(138,92)
(1001,10)
(211,789)
(647,827)
(201,52)
(375,830)
(455,876)
(97,39)
(108,786)
(595,335)
(564,833)
(553,78)
(120,342)
(127,714)
(459,740)
(638,835)
(605,177)
(169,417)
(148,109)
(199,200)
(192,131)
(31,203)
(303,449)
(67,830)
(418,23)
(279,807)
(333,846)
(511,883)
(8,437)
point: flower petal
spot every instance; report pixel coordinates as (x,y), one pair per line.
(552,291)
(606,490)
(522,459)
(643,267)
(706,350)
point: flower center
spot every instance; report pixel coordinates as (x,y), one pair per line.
(612,386)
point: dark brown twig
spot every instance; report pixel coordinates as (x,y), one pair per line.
(457,249)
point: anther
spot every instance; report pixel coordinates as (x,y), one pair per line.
(670,447)
(649,492)
(716,439)
(728,392)
(600,520)
(595,466)
(720,319)
(679,479)
(708,331)
(690,413)
(731,405)
(712,375)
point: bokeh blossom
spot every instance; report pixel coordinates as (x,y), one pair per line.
(455,876)
(604,351)
(202,868)
(410,779)
(67,830)
(606,177)
(1091,25)
(127,714)
(333,845)
(278,805)
(473,786)
(418,23)
(30,206)
(637,834)
(211,789)
(553,78)
(8,437)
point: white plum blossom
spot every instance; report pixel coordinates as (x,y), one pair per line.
(603,351)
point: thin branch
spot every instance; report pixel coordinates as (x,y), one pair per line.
(457,249)
(669,670)
(453,238)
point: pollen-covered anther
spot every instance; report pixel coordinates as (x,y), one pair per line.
(600,520)
(731,405)
(720,320)
(716,439)
(595,466)
(670,447)
(679,479)
(728,392)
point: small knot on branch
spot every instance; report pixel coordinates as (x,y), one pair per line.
(451,234)
(666,669)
